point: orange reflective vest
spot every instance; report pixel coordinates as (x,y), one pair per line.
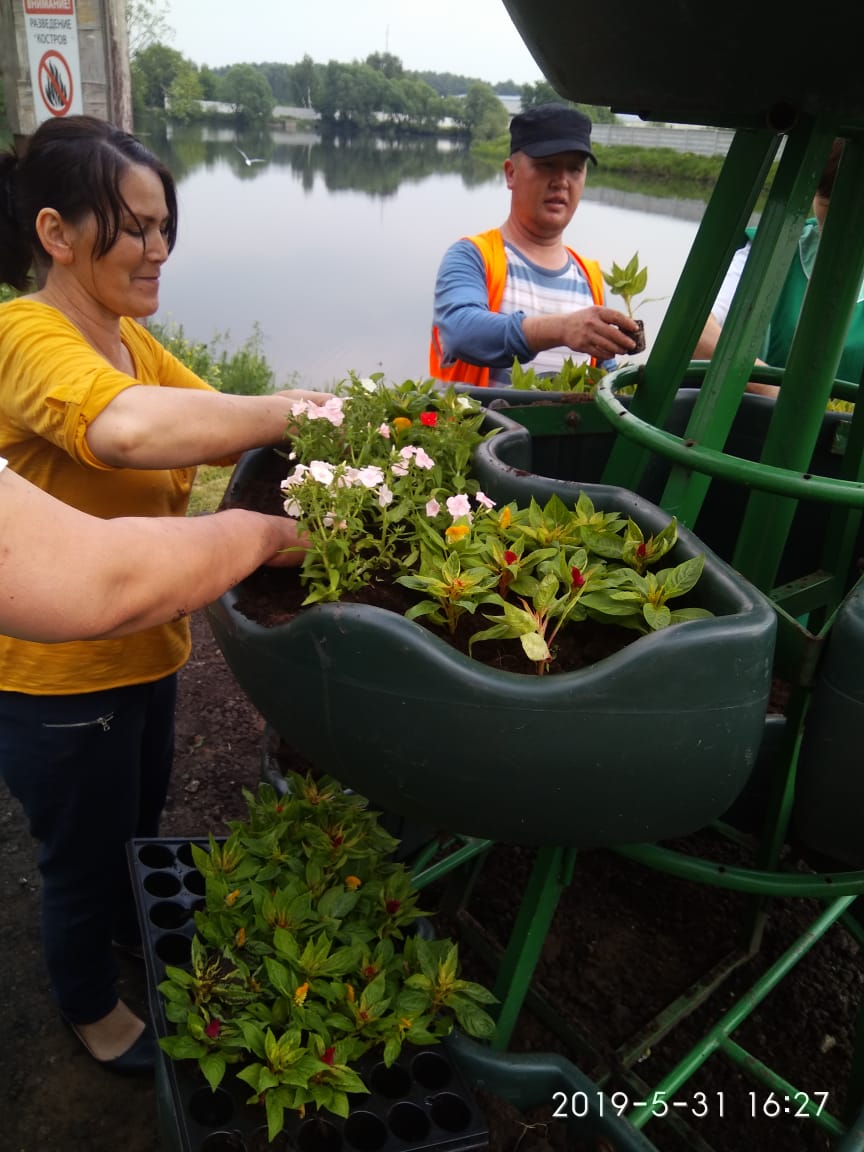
(491,247)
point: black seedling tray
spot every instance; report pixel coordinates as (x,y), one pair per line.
(420,1104)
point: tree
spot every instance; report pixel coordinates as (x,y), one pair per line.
(386,62)
(531,95)
(154,70)
(483,114)
(146,24)
(185,95)
(247,89)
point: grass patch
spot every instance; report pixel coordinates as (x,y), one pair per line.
(210,484)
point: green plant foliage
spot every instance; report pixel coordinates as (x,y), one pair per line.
(380,483)
(306,955)
(243,372)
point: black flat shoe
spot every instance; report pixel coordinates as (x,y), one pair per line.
(138,1060)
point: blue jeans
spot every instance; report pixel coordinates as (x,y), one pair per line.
(91,771)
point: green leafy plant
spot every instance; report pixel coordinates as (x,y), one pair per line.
(380,481)
(580,378)
(307,955)
(627,282)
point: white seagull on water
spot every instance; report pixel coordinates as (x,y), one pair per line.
(250,160)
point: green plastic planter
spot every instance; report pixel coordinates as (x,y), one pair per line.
(829,798)
(753,70)
(650,743)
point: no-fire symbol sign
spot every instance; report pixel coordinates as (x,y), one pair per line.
(52,45)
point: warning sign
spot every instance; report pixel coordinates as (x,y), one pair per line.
(52,46)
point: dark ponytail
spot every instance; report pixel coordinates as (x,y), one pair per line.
(16,253)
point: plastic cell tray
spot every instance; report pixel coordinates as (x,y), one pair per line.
(420,1103)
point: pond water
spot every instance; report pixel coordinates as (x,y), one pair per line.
(331,248)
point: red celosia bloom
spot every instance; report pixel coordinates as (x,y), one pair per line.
(213,1029)
(370,972)
(430,419)
(329,1055)
(336,840)
(393,907)
(641,551)
(578,578)
(510,557)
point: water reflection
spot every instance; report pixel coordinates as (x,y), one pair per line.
(359,164)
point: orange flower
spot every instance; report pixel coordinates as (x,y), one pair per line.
(352,883)
(457,532)
(401,423)
(231,898)
(505,517)
(350,995)
(300,993)
(240,938)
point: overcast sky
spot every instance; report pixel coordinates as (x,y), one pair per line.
(467,37)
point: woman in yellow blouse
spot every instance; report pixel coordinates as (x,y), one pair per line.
(94,411)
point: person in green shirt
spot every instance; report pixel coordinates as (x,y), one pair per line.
(778,338)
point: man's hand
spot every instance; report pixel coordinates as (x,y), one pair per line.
(596,331)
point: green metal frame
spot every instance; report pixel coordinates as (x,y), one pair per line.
(805,606)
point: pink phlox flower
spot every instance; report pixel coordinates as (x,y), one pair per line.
(385,496)
(321,471)
(459,506)
(399,469)
(483,500)
(384,430)
(295,478)
(432,508)
(330,410)
(421,458)
(370,476)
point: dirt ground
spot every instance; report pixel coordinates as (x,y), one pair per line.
(625,941)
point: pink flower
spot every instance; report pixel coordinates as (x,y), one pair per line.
(384,430)
(423,460)
(459,506)
(370,476)
(484,500)
(432,508)
(385,496)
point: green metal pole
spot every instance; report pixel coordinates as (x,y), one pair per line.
(743,174)
(811,368)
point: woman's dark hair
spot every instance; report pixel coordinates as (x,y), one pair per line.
(74,165)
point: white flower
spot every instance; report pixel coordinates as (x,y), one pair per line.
(370,476)
(321,471)
(432,508)
(292,508)
(484,500)
(385,496)
(368,385)
(459,506)
(295,478)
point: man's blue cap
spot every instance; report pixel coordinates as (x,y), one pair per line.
(549,129)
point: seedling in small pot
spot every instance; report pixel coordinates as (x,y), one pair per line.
(629,282)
